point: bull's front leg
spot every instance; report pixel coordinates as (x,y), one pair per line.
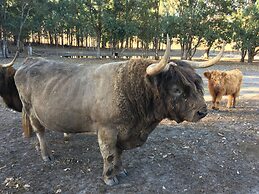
(112,165)
(213,102)
(230,101)
(217,102)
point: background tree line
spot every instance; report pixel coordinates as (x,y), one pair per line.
(120,23)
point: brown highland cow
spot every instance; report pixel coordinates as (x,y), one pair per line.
(221,83)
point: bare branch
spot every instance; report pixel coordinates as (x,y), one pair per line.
(24,17)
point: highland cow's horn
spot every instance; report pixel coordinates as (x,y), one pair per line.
(156,68)
(12,62)
(208,63)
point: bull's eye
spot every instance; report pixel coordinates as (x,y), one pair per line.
(176,91)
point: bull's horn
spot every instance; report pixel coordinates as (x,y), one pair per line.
(156,68)
(12,62)
(208,63)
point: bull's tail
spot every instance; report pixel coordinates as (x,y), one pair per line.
(26,125)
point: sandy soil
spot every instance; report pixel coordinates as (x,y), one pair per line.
(219,154)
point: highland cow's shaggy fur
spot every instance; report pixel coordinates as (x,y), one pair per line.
(221,83)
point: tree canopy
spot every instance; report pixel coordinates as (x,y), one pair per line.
(118,23)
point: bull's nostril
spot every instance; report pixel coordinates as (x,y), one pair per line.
(202,114)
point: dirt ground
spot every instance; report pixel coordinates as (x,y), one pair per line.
(219,154)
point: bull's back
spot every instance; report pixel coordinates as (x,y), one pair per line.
(64,97)
(233,81)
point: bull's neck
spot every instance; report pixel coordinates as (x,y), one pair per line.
(138,98)
(10,94)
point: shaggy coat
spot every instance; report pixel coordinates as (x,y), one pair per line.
(11,98)
(221,83)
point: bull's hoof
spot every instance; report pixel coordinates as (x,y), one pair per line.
(67,136)
(215,108)
(123,173)
(47,158)
(26,135)
(111,181)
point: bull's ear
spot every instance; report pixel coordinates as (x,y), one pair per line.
(207,74)
(223,74)
(152,81)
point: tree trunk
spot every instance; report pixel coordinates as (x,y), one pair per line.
(39,38)
(5,48)
(86,41)
(32,37)
(24,16)
(77,40)
(188,50)
(157,5)
(207,51)
(121,45)
(50,38)
(77,37)
(127,43)
(56,39)
(194,49)
(4,35)
(1,46)
(62,38)
(251,55)
(243,54)
(71,38)
(156,47)
(103,42)
(113,44)
(98,53)
(182,50)
(131,41)
(68,37)
(82,40)
(142,45)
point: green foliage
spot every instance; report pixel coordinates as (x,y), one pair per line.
(188,25)
(147,21)
(246,29)
(191,22)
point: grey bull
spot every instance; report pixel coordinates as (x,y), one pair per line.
(123,102)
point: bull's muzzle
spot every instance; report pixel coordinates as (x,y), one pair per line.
(203,112)
(217,88)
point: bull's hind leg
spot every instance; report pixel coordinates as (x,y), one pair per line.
(112,164)
(40,130)
(234,100)
(230,104)
(67,136)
